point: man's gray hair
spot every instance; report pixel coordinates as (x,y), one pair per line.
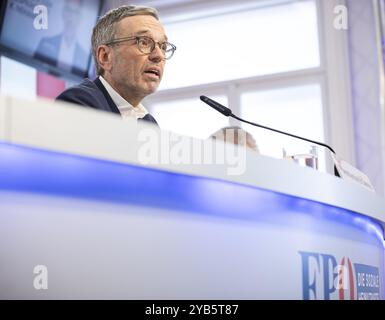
(105,29)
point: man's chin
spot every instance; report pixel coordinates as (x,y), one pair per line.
(152,88)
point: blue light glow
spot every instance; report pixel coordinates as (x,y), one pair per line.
(24,169)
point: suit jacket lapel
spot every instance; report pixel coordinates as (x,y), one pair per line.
(110,102)
(148,117)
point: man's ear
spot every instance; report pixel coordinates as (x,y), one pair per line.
(104,55)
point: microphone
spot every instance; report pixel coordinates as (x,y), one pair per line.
(227,112)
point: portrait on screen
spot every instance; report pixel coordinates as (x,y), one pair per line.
(64,42)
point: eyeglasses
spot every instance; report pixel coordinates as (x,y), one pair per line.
(147,45)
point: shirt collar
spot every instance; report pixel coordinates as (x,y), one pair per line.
(126,109)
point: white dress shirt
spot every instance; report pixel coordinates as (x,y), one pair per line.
(126,109)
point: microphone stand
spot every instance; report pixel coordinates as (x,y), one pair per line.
(228,113)
(286,133)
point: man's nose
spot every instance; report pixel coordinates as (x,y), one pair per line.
(157,54)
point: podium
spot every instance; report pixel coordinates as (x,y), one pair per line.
(81,217)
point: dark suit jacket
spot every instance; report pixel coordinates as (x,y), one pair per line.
(93,94)
(48,52)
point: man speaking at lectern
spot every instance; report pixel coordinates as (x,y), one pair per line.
(130,49)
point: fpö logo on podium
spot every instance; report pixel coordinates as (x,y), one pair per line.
(324,278)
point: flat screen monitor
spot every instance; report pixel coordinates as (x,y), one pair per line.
(51,35)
